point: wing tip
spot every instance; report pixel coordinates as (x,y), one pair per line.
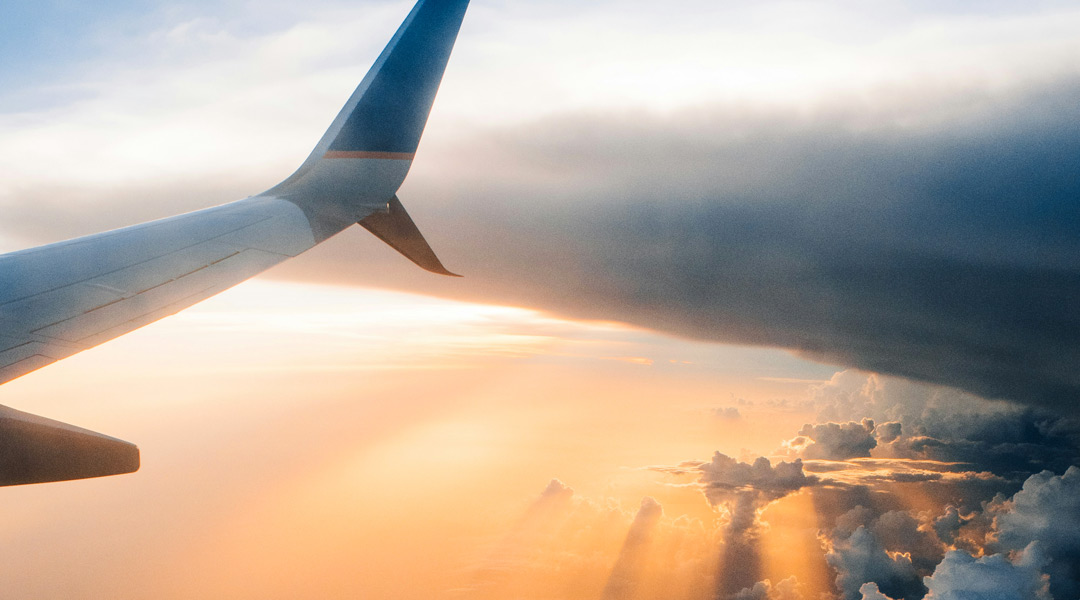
(397,229)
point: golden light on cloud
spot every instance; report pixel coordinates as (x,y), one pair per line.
(790,546)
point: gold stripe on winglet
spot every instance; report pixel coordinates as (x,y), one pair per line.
(379,155)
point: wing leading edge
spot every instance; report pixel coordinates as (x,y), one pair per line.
(63,298)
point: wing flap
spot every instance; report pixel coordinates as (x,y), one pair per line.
(42,310)
(26,363)
(115,319)
(155,272)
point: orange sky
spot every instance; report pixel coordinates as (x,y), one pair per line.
(339,443)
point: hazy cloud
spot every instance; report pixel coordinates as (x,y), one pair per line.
(622,582)
(556,491)
(729,413)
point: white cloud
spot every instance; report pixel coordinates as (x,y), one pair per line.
(1046,512)
(961,576)
(862,558)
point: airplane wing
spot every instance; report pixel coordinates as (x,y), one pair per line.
(63,298)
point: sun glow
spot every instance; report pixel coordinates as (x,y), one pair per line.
(790,544)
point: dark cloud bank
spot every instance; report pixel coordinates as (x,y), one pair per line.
(937,239)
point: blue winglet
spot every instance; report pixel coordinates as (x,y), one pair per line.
(390,115)
(362,159)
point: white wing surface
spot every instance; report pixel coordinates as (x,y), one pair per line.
(63,298)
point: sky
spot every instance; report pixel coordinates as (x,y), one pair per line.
(762,301)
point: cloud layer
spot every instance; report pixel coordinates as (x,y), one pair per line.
(940,250)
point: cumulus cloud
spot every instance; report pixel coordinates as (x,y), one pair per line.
(1020,530)
(948,525)
(724,224)
(931,441)
(888,433)
(740,491)
(1027,547)
(892,549)
(870,591)
(925,422)
(723,477)
(935,441)
(961,576)
(900,532)
(787,589)
(1046,512)
(861,558)
(835,441)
